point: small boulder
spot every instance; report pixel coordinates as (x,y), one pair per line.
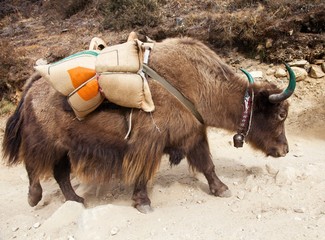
(280,72)
(298,63)
(257,74)
(323,66)
(270,72)
(316,72)
(300,73)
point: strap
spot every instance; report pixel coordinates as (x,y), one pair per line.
(170,88)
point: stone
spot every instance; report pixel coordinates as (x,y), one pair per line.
(41,61)
(114,231)
(270,71)
(298,63)
(316,72)
(241,195)
(300,73)
(280,72)
(257,74)
(36,225)
(323,66)
(319,61)
(299,210)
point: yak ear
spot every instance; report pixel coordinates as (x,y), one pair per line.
(261,100)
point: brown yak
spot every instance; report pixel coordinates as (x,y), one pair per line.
(44,135)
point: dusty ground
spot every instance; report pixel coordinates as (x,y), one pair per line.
(280,198)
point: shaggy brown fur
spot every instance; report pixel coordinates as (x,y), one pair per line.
(49,140)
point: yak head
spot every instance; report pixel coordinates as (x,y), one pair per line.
(269,112)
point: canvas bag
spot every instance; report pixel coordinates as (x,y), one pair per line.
(69,73)
(120,76)
(127,90)
(86,98)
(119,58)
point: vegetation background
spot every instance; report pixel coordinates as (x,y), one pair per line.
(269,30)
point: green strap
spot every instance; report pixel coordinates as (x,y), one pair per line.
(171,89)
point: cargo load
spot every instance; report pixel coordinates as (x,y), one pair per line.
(88,77)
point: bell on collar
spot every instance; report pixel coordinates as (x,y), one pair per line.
(238,140)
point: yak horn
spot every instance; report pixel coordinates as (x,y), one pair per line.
(249,76)
(276,98)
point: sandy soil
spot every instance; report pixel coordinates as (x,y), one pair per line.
(280,198)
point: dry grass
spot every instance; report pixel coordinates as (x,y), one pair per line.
(59,27)
(128,14)
(6,107)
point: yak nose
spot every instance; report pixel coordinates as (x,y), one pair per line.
(279,151)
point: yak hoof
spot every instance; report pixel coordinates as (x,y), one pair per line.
(144,208)
(34,196)
(226,194)
(76,198)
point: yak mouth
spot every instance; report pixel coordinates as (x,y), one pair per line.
(277,152)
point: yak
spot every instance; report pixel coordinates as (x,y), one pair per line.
(44,134)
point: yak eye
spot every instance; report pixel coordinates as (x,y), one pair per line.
(282,115)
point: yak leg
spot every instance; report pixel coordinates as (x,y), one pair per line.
(199,157)
(140,198)
(61,172)
(35,189)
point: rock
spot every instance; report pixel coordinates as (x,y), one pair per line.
(307,67)
(298,63)
(299,210)
(300,73)
(316,72)
(114,231)
(323,66)
(270,71)
(36,225)
(280,72)
(257,74)
(40,61)
(241,195)
(319,61)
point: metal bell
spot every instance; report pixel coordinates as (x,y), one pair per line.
(238,140)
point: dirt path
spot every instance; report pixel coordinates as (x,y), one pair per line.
(272,199)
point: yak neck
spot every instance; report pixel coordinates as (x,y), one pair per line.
(196,71)
(222,106)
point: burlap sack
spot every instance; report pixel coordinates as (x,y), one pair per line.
(119,58)
(127,89)
(69,73)
(86,98)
